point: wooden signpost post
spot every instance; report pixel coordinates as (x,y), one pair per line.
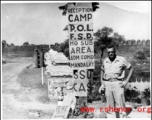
(81,49)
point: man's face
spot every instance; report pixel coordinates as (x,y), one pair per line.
(111,52)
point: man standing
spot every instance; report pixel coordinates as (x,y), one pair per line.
(113,79)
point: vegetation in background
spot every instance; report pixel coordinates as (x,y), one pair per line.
(138,55)
(146,96)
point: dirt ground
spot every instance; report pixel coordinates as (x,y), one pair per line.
(24,97)
(19,101)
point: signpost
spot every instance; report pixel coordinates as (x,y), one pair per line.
(81,44)
(81,48)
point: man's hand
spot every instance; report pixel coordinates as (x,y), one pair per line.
(101,88)
(123,84)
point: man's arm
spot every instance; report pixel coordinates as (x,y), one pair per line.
(124,83)
(102,82)
(101,77)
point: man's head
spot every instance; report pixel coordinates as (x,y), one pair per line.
(111,52)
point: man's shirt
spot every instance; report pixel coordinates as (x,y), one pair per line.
(115,69)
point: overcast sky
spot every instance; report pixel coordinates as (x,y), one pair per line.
(140,6)
(39,22)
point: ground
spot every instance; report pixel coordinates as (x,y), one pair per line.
(19,101)
(24,96)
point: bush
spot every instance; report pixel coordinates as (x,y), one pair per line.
(146,52)
(140,55)
(132,95)
(146,96)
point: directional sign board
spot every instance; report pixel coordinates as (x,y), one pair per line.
(81,46)
(81,78)
(81,42)
(81,49)
(63,109)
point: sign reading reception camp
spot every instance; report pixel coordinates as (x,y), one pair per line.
(81,43)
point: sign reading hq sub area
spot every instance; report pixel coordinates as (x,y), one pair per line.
(81,43)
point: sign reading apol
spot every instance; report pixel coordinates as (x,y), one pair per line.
(81,41)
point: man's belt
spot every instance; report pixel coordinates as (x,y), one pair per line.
(113,80)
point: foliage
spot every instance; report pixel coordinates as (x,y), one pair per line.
(135,96)
(104,37)
(146,52)
(146,96)
(22,51)
(64,47)
(66,52)
(26,44)
(12,45)
(64,8)
(132,95)
(140,55)
(4,44)
(95,6)
(117,39)
(93,87)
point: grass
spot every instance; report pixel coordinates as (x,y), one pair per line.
(31,78)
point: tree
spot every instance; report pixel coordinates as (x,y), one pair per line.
(117,39)
(12,45)
(106,36)
(4,44)
(133,42)
(103,39)
(148,42)
(146,52)
(64,47)
(32,44)
(64,8)
(26,44)
(66,52)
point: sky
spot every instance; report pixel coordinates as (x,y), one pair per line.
(43,23)
(140,6)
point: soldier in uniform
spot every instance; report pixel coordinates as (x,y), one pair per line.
(113,79)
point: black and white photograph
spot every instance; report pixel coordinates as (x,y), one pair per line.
(75,59)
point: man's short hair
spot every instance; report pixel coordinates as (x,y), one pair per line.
(110,46)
